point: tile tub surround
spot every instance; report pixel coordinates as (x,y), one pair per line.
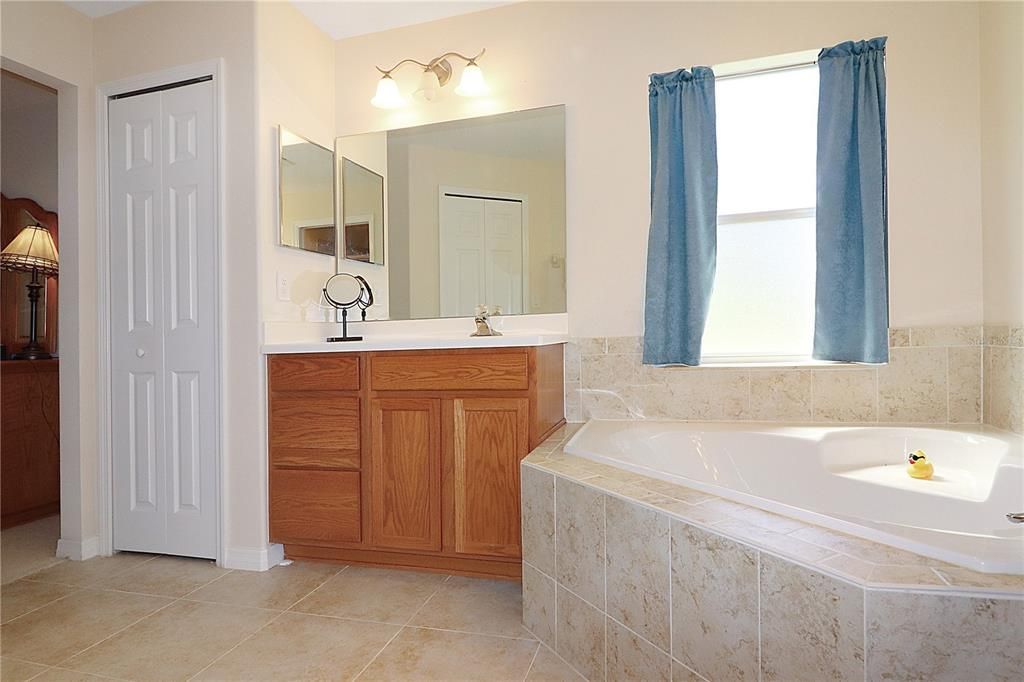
(697,587)
(935,375)
(1004,377)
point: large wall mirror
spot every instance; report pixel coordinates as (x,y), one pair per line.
(474,214)
(306,203)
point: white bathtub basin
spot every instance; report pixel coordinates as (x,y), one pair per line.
(851,479)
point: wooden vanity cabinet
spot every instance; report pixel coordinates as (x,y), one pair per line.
(408,458)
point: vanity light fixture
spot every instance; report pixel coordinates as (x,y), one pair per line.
(436,74)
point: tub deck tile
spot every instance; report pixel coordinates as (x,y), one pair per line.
(861,561)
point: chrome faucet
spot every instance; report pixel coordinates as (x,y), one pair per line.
(483,325)
(1015,518)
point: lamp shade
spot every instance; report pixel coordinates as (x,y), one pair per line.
(430,86)
(388,96)
(472,83)
(32,249)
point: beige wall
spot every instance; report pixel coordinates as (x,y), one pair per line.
(295,80)
(155,36)
(427,168)
(29,134)
(595,58)
(1002,160)
(52,43)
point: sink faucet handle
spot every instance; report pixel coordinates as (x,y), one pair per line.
(481,310)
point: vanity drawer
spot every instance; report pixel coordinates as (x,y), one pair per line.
(314,372)
(314,506)
(315,429)
(449,370)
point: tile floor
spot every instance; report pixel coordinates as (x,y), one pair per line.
(29,547)
(139,617)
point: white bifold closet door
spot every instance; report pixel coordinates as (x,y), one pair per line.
(163,321)
(481,249)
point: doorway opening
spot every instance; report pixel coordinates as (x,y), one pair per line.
(30,448)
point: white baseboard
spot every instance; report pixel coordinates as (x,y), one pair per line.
(245,559)
(78,550)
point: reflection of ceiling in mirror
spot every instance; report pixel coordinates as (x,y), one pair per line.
(532,134)
(307,168)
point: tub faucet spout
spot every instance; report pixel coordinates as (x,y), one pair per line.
(1016,518)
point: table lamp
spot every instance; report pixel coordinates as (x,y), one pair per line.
(32,251)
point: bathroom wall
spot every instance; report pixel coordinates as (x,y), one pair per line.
(295,83)
(154,36)
(52,43)
(550,53)
(934,375)
(1002,172)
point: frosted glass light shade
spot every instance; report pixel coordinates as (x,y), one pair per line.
(430,86)
(472,83)
(388,96)
(32,249)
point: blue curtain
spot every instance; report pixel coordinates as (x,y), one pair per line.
(851,299)
(682,245)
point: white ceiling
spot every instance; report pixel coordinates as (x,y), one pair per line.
(340,18)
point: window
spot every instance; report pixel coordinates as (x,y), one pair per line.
(762,305)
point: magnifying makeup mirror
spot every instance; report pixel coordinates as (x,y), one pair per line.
(344,291)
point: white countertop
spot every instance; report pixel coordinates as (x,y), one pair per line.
(418,342)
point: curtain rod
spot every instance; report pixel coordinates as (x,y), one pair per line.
(768,69)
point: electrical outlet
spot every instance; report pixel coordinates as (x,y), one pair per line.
(284,287)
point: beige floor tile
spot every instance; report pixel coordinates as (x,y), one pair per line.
(61,629)
(86,573)
(377,594)
(278,588)
(173,644)
(418,654)
(486,607)
(548,667)
(29,548)
(167,576)
(22,596)
(300,646)
(13,670)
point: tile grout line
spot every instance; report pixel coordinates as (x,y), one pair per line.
(533,660)
(401,628)
(258,630)
(117,632)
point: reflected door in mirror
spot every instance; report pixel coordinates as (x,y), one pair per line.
(481,251)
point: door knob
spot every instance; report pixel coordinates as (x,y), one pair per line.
(139,352)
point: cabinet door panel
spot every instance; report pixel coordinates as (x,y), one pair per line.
(314,506)
(489,438)
(405,463)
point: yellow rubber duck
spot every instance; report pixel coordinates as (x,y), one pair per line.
(919,466)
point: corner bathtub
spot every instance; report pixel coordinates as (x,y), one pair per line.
(851,479)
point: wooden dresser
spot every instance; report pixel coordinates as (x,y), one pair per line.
(408,458)
(30,442)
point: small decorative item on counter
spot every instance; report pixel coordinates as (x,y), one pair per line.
(919,466)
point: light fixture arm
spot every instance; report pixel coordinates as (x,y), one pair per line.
(433,62)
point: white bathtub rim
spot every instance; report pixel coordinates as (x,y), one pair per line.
(898,542)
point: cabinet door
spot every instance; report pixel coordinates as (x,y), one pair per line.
(405,470)
(489,438)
